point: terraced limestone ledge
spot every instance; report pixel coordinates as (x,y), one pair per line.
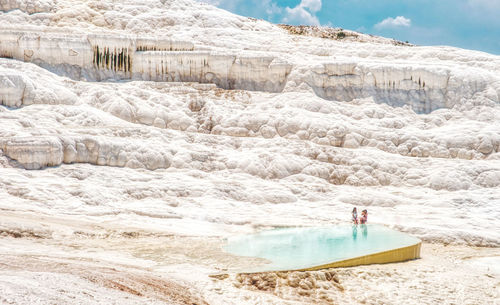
(100,57)
(97,57)
(384,257)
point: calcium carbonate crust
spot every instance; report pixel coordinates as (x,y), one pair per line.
(182,87)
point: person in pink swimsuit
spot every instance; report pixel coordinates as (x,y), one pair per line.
(364,217)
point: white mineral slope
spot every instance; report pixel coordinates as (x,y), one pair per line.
(116,119)
(188,41)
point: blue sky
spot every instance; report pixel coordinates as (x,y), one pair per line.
(469,24)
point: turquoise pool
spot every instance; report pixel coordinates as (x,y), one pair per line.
(301,248)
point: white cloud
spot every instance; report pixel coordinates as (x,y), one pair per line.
(391,23)
(299,15)
(303,13)
(271,7)
(313,5)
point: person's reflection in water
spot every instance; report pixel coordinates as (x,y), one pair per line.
(364,231)
(354,232)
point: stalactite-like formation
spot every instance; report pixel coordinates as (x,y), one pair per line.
(117,59)
(165,60)
(6,54)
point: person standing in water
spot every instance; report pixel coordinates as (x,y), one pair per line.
(355,216)
(364,217)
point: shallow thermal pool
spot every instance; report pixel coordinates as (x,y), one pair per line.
(300,248)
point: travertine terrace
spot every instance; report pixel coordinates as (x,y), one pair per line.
(136,135)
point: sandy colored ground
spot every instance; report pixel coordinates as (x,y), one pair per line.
(101,264)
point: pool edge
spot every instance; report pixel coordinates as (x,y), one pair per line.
(384,257)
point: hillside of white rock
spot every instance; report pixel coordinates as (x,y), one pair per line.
(132,129)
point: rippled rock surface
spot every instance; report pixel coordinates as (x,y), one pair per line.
(121,121)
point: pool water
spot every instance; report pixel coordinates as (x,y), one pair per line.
(300,248)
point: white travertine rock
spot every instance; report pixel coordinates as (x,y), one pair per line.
(102,152)
(425,89)
(121,108)
(489,178)
(99,57)
(13,89)
(352,140)
(28,6)
(19,89)
(34,152)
